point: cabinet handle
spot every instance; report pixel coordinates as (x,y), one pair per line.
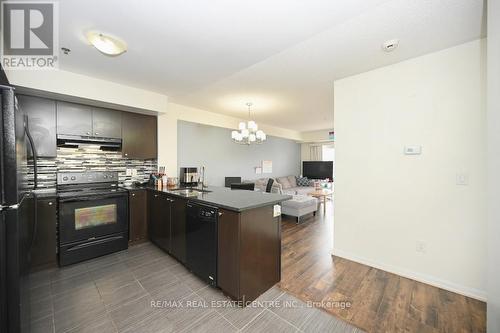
(133,194)
(50,203)
(96,133)
(88,133)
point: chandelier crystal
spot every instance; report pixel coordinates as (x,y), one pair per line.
(248,132)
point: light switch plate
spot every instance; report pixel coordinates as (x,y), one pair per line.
(462,178)
(276,211)
(413,150)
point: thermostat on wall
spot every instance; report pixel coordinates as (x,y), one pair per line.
(413,150)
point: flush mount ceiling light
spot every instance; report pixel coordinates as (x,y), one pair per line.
(390,45)
(248,132)
(106,44)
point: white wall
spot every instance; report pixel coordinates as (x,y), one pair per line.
(386,201)
(167,130)
(493,118)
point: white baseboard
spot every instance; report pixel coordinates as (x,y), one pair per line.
(431,280)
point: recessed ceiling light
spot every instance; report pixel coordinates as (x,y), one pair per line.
(106,44)
(390,45)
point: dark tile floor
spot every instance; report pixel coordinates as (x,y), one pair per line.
(145,290)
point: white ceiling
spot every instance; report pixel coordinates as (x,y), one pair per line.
(282,55)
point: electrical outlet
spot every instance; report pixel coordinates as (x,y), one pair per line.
(420,246)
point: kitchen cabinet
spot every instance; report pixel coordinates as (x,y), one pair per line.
(138,215)
(84,120)
(43,253)
(139,136)
(42,123)
(178,228)
(74,119)
(159,219)
(248,260)
(106,123)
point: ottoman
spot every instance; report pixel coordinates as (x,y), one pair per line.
(299,206)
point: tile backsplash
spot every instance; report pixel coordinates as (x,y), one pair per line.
(91,158)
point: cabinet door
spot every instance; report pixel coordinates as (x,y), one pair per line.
(159,220)
(74,119)
(138,136)
(107,123)
(44,245)
(138,228)
(228,260)
(178,228)
(42,123)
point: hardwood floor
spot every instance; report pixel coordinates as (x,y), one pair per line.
(379,301)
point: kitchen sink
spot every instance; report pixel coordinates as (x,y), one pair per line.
(189,192)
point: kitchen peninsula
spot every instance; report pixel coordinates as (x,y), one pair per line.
(247,233)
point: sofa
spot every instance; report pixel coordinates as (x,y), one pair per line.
(288,185)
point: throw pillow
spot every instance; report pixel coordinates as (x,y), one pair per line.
(302,181)
(284,182)
(292,180)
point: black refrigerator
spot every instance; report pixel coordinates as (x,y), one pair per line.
(18,215)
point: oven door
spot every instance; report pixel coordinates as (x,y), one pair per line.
(84,218)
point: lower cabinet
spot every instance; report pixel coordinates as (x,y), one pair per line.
(159,220)
(138,215)
(248,260)
(167,223)
(43,253)
(178,228)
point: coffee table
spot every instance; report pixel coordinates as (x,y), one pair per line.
(321,194)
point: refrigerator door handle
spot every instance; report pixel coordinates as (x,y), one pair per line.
(33,149)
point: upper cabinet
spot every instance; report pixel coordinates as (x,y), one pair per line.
(41,123)
(107,123)
(83,120)
(74,119)
(138,136)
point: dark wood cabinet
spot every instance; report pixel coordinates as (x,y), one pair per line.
(178,228)
(74,119)
(138,215)
(159,220)
(106,123)
(248,261)
(139,137)
(42,123)
(43,253)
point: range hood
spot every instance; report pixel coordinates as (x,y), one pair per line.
(77,140)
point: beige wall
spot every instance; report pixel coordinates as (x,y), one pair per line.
(83,87)
(493,118)
(316,136)
(385,201)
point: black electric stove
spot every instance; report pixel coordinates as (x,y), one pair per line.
(93,215)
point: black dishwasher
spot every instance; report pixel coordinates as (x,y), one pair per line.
(201,241)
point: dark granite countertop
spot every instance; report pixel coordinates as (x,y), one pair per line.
(235,200)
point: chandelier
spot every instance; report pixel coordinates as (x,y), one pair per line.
(248,132)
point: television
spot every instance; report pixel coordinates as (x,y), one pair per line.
(317,169)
